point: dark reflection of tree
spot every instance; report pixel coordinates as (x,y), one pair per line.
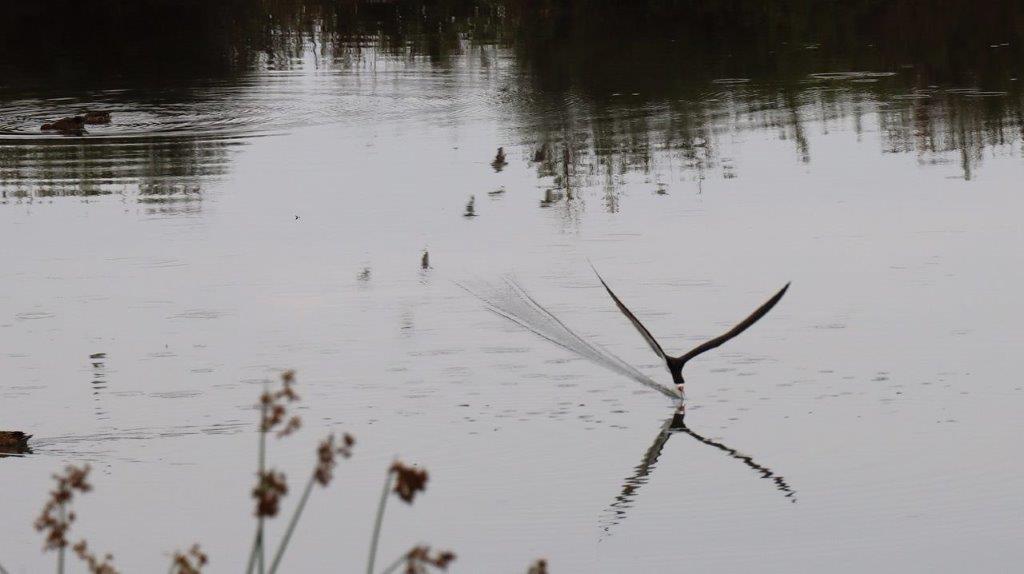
(668,59)
(158,170)
(642,472)
(613,89)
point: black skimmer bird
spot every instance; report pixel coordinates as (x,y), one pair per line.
(676,364)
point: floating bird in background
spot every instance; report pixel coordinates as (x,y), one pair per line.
(97,117)
(14,442)
(675,364)
(425,260)
(73,124)
(541,154)
(470,207)
(76,124)
(499,162)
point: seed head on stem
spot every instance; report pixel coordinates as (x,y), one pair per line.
(538,567)
(420,558)
(190,562)
(408,480)
(326,452)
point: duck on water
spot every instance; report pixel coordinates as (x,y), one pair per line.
(76,124)
(14,442)
(66,125)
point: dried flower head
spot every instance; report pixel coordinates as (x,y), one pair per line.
(270,488)
(191,562)
(293,424)
(325,457)
(95,565)
(538,567)
(408,480)
(55,520)
(273,405)
(419,558)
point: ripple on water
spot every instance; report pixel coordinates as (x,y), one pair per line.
(33,315)
(853,75)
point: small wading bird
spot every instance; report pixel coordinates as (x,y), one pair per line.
(675,364)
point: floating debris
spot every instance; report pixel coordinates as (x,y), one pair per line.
(364,275)
(498,191)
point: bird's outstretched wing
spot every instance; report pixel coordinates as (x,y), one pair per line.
(742,326)
(632,319)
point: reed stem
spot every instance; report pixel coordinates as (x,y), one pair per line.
(60,549)
(257,543)
(256,556)
(377,524)
(291,524)
(394,565)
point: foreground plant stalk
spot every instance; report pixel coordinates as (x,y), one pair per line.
(377,524)
(291,524)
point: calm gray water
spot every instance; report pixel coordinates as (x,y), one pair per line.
(222,231)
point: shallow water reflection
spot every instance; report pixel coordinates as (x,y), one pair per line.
(641,474)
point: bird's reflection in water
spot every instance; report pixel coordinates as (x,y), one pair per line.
(677,424)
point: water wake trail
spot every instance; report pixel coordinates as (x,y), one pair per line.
(510,300)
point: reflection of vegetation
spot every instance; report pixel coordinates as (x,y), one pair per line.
(599,89)
(672,76)
(164,171)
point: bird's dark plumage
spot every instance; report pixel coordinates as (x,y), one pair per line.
(675,364)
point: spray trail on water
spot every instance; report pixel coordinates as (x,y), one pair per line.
(510,300)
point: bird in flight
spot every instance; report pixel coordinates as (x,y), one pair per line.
(675,364)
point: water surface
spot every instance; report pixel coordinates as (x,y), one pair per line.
(264,204)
